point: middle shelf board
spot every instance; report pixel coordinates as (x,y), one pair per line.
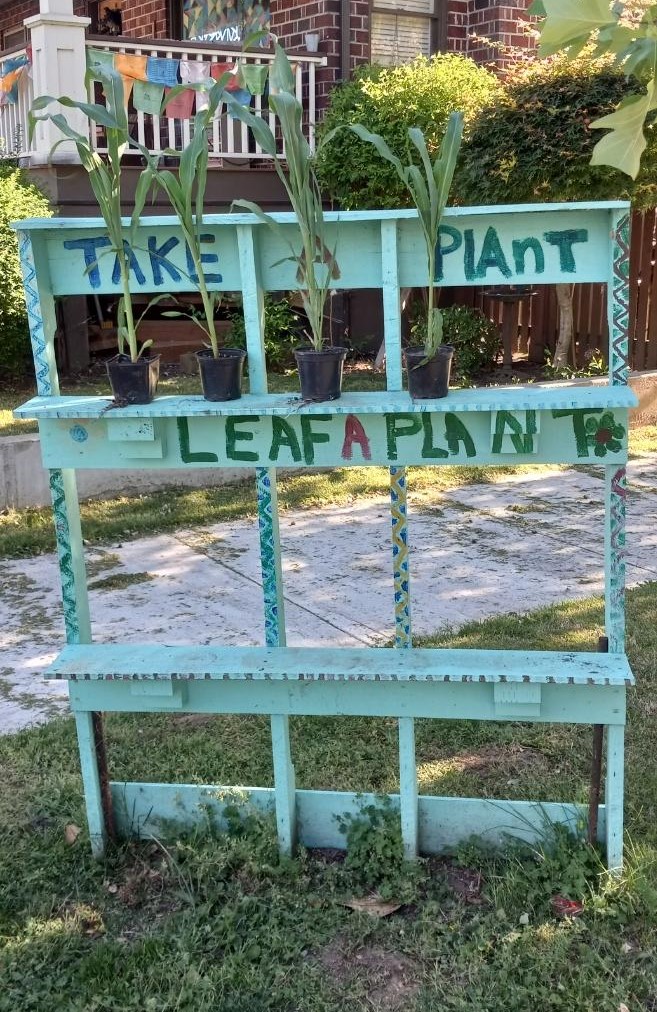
(528,397)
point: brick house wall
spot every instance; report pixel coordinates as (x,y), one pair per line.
(466,19)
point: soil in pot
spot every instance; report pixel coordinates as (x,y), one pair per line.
(429,379)
(221,377)
(320,373)
(133,382)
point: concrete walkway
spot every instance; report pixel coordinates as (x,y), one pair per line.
(480,550)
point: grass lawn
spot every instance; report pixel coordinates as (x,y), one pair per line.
(222,924)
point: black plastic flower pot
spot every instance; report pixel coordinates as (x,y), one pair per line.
(221,377)
(320,372)
(133,382)
(429,379)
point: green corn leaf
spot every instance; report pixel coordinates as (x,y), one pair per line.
(381,146)
(260,129)
(281,76)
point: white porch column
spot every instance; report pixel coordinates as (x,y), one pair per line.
(59,67)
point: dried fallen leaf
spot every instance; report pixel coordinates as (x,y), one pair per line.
(623,1007)
(372,905)
(523,919)
(112,888)
(71,833)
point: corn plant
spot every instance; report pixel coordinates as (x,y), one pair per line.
(429,190)
(316,264)
(105,179)
(186,194)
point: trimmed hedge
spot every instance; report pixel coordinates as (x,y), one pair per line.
(534,142)
(18,199)
(388,101)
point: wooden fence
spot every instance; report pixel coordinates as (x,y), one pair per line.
(537,319)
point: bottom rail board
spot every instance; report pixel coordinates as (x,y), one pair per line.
(157,810)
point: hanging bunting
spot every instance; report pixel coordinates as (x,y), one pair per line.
(147,97)
(162,70)
(181,105)
(196,72)
(217,70)
(253,77)
(11,71)
(99,60)
(131,68)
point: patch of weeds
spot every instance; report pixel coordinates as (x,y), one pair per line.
(120,581)
(375,850)
(101,562)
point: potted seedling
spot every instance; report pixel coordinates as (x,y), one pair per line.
(134,371)
(320,365)
(427,367)
(220,368)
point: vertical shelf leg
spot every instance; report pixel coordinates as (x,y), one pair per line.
(272,583)
(616,494)
(93,792)
(614,796)
(407,765)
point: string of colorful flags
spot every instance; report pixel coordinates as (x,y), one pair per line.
(12,71)
(149,79)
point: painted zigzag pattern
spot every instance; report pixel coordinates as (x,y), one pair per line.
(63,534)
(621,302)
(400,560)
(267,556)
(34,317)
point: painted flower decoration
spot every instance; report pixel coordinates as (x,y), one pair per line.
(604,434)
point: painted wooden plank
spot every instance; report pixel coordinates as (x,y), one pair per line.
(567,435)
(284,784)
(477,246)
(41,317)
(400,556)
(91,783)
(576,704)
(70,552)
(614,533)
(408,792)
(535,396)
(385,664)
(254,310)
(614,796)
(156,810)
(391,304)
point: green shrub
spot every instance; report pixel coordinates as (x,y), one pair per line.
(533,143)
(476,339)
(388,101)
(18,199)
(283,332)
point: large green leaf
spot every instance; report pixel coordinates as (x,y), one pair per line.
(281,75)
(261,130)
(567,21)
(623,147)
(381,146)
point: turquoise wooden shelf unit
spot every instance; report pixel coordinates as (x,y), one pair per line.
(535,423)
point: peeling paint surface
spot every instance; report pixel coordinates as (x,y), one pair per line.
(476,551)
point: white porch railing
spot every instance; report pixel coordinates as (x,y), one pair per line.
(228,138)
(14,130)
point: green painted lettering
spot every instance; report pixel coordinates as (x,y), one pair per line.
(564,240)
(468,254)
(522,439)
(520,247)
(202,456)
(429,451)
(309,438)
(455,433)
(578,416)
(400,425)
(233,436)
(442,251)
(492,255)
(282,434)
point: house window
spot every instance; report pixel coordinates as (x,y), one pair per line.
(13,38)
(403,30)
(224,21)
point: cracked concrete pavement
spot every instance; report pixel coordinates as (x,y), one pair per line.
(528,540)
